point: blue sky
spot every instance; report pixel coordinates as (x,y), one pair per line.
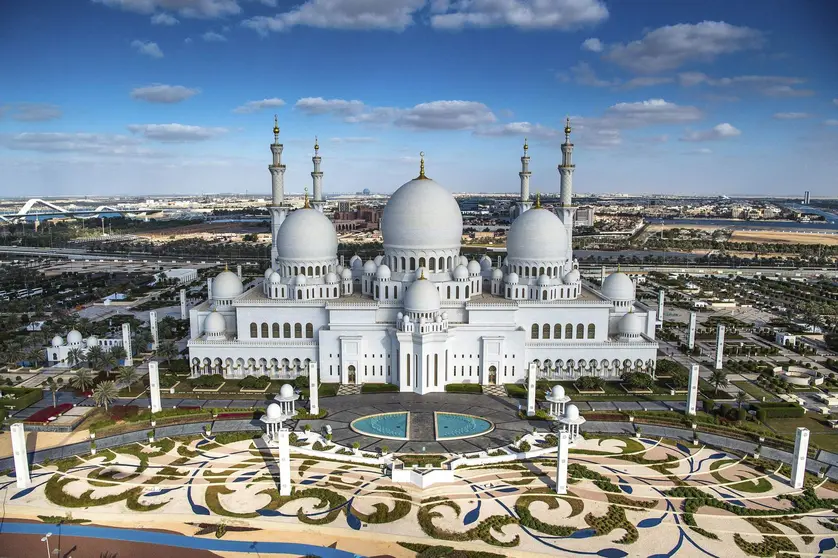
(178,96)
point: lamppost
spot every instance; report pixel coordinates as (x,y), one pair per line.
(45,539)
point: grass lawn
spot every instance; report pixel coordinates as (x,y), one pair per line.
(754,391)
(379,388)
(821,434)
(463,388)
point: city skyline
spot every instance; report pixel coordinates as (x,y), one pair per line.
(178,97)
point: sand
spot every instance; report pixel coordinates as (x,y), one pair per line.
(42,440)
(785,237)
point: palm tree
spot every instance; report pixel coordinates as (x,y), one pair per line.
(167,350)
(718,378)
(94,356)
(53,388)
(75,356)
(82,380)
(128,375)
(34,355)
(109,361)
(105,393)
(741,397)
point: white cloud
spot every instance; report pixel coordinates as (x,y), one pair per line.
(256,106)
(148,48)
(159,93)
(186,8)
(672,46)
(593,44)
(519,129)
(831,122)
(701,151)
(175,133)
(646,82)
(791,115)
(31,112)
(187,40)
(213,37)
(390,15)
(771,86)
(354,139)
(718,132)
(164,19)
(583,74)
(523,14)
(648,113)
(436,115)
(92,144)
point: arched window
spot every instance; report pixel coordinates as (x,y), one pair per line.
(286,330)
(300,294)
(298,331)
(544,294)
(591,331)
(540,271)
(309,331)
(508,292)
(450,263)
(296,272)
(432,264)
(336,292)
(412,264)
(377,292)
(534,271)
(264,330)
(317,270)
(580,331)
(421,262)
(404,264)
(545,331)
(466,291)
(441,265)
(568,331)
(557,331)
(458,292)
(275,330)
(386,292)
(534,331)
(254,330)
(395,291)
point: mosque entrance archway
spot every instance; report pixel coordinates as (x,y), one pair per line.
(352,377)
(493,375)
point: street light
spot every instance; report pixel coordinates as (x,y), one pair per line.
(46,540)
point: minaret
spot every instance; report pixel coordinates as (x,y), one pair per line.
(317,179)
(567,211)
(278,212)
(524,203)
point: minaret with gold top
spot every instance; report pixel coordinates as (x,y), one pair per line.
(278,212)
(567,212)
(317,179)
(524,203)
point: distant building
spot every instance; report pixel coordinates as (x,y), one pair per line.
(364,218)
(806,197)
(584,217)
(59,348)
(183,275)
(783,337)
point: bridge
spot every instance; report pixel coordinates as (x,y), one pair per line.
(29,211)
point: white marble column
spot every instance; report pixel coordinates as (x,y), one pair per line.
(313,385)
(692,396)
(183,304)
(126,344)
(798,464)
(21,459)
(561,463)
(155,336)
(239,270)
(533,372)
(691,331)
(660,306)
(154,386)
(720,346)
(284,460)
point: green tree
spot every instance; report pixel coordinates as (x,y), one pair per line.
(105,393)
(128,375)
(718,378)
(82,379)
(95,355)
(741,398)
(75,356)
(118,352)
(34,356)
(167,350)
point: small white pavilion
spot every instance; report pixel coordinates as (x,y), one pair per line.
(557,400)
(571,421)
(278,412)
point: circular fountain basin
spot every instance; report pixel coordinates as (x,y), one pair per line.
(456,426)
(389,426)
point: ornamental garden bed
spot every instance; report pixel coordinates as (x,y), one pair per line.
(209,390)
(589,391)
(636,391)
(379,388)
(229,416)
(676,389)
(253,390)
(44,415)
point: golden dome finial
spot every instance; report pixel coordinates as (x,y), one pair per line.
(537,201)
(316,144)
(225,267)
(421,166)
(526,145)
(421,273)
(567,126)
(276,129)
(305,203)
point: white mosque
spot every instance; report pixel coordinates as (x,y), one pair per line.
(421,315)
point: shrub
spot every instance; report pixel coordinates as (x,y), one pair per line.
(208,382)
(524,447)
(638,380)
(589,383)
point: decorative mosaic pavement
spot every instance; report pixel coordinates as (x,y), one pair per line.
(627,497)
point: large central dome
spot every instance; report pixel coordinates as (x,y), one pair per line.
(422,215)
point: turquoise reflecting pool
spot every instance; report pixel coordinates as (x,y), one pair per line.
(391,426)
(454,425)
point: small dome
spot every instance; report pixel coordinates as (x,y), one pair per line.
(214,323)
(306,234)
(378,259)
(226,285)
(558,392)
(512,278)
(57,341)
(286,391)
(399,316)
(338,269)
(356,261)
(537,234)
(370,267)
(422,296)
(275,279)
(464,261)
(268,272)
(497,274)
(444,315)
(571,412)
(300,280)
(74,337)
(474,268)
(92,341)
(331,278)
(273,411)
(461,272)
(630,324)
(543,280)
(346,274)
(383,272)
(571,276)
(485,263)
(618,286)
